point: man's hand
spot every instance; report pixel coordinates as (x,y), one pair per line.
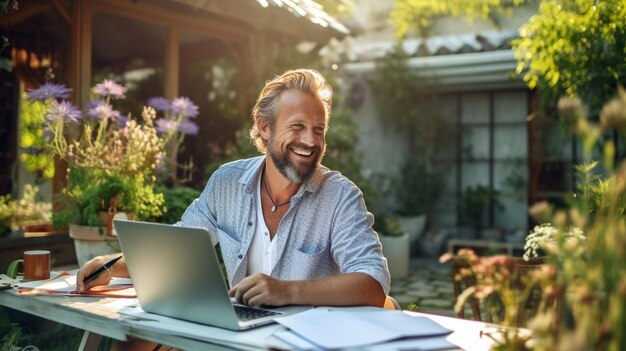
(261,289)
(87,269)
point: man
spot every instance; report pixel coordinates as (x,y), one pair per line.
(290,230)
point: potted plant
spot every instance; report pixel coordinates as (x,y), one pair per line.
(417,190)
(111,162)
(473,208)
(396,245)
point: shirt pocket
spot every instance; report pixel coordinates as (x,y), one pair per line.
(307,263)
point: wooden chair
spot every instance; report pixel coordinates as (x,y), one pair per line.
(520,268)
(391,304)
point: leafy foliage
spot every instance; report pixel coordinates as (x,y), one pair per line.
(416,16)
(574,48)
(91,191)
(473,205)
(32,139)
(17,212)
(409,107)
(417,189)
(177,199)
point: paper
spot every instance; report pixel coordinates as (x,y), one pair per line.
(64,283)
(340,329)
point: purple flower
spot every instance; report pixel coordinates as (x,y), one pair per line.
(185,107)
(49,91)
(165,126)
(101,110)
(121,121)
(109,88)
(63,111)
(188,127)
(159,103)
(47,133)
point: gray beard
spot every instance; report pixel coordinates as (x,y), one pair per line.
(286,167)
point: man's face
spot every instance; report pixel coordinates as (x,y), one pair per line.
(298,138)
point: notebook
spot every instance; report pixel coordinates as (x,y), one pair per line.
(176,273)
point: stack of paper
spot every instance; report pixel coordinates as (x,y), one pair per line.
(319,329)
(64,283)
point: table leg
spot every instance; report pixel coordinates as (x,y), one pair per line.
(90,341)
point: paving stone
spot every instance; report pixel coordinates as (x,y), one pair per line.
(420,285)
(405,299)
(437,303)
(424,294)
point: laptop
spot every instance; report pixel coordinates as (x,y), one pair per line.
(176,273)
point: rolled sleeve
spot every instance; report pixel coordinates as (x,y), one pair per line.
(355,245)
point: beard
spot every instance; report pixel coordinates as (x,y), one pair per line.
(295,173)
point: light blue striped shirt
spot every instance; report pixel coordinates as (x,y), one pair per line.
(327,229)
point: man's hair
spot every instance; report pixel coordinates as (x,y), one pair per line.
(307,81)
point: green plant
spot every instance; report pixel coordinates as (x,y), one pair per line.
(18,212)
(574,48)
(111,159)
(474,203)
(582,304)
(417,16)
(417,189)
(177,199)
(388,225)
(92,191)
(11,332)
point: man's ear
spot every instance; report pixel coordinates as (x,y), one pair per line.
(264,128)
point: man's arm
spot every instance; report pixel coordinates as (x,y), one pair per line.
(119,269)
(350,289)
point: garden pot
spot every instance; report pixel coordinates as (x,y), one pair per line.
(90,242)
(397,249)
(414,225)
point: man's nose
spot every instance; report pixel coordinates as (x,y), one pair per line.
(308,137)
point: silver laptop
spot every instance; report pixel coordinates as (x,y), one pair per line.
(176,273)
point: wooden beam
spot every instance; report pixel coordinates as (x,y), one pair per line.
(199,22)
(62,11)
(271,18)
(172,63)
(27,10)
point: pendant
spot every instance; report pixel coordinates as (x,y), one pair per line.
(273,208)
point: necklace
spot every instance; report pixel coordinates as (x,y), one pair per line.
(274,205)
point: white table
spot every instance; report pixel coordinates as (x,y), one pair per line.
(99,317)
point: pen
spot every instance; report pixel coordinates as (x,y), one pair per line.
(100,270)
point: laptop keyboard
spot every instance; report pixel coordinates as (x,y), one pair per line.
(248,313)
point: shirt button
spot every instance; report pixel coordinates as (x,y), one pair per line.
(249,224)
(266,234)
(240,256)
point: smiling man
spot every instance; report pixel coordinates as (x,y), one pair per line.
(291,231)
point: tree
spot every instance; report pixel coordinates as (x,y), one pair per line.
(574,48)
(415,16)
(567,48)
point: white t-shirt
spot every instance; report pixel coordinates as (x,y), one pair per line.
(261,248)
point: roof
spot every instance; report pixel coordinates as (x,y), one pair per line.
(302,18)
(468,60)
(434,46)
(308,9)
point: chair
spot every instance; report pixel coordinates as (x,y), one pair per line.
(520,268)
(391,304)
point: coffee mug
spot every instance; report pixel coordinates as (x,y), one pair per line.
(35,264)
